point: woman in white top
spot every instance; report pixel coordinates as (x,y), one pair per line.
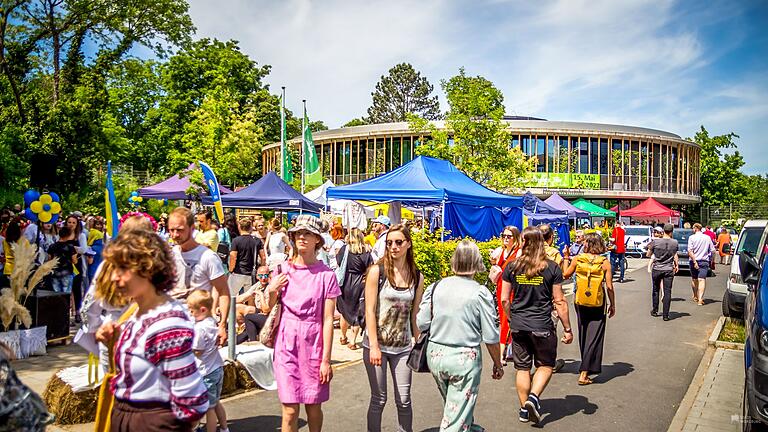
(393,291)
(277,244)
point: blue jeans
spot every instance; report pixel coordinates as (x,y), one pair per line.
(618,261)
(62,284)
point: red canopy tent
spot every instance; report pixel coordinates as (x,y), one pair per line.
(650,209)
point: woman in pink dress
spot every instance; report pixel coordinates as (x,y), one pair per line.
(302,359)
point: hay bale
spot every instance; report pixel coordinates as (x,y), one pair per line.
(244,379)
(230,379)
(67,406)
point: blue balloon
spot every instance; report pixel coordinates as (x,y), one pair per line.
(134,193)
(32,216)
(55,197)
(29,196)
(54,219)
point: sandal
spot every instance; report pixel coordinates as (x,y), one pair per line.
(587,381)
(343,340)
(353,346)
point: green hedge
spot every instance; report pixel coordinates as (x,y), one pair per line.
(433,257)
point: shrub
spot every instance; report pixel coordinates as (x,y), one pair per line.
(433,257)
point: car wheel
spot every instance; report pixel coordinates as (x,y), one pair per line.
(726,305)
(747,422)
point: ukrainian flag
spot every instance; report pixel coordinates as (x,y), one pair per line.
(213,189)
(110,204)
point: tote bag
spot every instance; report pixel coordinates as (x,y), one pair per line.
(268,333)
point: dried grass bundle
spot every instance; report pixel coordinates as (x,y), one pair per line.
(7,307)
(11,303)
(44,270)
(24,255)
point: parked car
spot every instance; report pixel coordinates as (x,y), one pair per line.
(753,235)
(637,237)
(754,271)
(682,235)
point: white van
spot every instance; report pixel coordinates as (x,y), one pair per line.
(753,235)
(637,237)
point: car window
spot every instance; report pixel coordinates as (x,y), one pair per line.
(636,231)
(750,241)
(681,235)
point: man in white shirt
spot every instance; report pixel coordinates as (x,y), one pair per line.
(700,249)
(382,228)
(197,267)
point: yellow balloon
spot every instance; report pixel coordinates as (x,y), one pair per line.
(55,208)
(139,199)
(46,199)
(44,217)
(36,206)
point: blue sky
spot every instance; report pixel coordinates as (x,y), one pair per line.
(670,65)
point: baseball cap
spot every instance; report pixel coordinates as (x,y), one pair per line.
(659,229)
(384,220)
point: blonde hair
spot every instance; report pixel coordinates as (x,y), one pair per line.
(184,213)
(356,241)
(199,298)
(136,223)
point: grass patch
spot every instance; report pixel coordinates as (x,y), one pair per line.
(733,331)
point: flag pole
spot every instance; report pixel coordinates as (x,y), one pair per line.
(303,143)
(282,135)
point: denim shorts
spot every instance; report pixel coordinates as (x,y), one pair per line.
(213,383)
(702,272)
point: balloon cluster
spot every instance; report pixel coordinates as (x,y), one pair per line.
(44,207)
(135,200)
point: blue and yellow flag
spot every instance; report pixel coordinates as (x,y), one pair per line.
(110,204)
(213,189)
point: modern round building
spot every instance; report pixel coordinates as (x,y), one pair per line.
(590,160)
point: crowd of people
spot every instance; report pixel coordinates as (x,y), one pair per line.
(156,300)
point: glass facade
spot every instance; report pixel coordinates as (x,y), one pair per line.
(623,162)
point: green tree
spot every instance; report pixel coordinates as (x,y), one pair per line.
(403,91)
(722,182)
(356,122)
(476,138)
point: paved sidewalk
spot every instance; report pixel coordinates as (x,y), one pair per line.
(717,406)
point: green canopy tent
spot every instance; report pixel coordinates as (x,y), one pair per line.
(593,209)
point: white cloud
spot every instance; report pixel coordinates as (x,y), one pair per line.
(634,62)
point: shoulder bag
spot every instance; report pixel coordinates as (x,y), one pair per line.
(417,359)
(106,398)
(268,333)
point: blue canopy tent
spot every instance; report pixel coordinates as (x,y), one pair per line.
(269,192)
(467,207)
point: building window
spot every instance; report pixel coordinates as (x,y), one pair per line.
(355,156)
(370,159)
(593,156)
(645,165)
(563,158)
(583,154)
(381,156)
(515,141)
(540,155)
(395,141)
(525,147)
(551,155)
(604,156)
(406,149)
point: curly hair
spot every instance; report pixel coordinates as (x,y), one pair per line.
(146,254)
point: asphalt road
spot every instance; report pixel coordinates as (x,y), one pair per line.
(648,366)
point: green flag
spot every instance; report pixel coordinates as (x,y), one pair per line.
(285,152)
(313,176)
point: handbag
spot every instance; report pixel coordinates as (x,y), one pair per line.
(417,359)
(509,352)
(268,333)
(106,398)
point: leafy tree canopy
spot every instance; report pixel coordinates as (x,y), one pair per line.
(722,182)
(475,138)
(403,91)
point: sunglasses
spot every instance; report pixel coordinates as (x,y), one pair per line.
(507,236)
(262,275)
(396,242)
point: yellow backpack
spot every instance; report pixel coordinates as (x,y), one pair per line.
(589,280)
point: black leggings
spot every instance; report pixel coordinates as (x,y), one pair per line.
(77,291)
(253,324)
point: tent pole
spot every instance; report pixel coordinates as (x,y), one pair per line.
(442,222)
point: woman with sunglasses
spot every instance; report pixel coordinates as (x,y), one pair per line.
(510,248)
(393,291)
(252,306)
(302,360)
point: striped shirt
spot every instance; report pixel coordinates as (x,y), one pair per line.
(155,363)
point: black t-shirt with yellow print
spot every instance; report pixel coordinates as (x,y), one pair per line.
(531,305)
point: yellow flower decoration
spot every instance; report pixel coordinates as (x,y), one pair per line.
(45,207)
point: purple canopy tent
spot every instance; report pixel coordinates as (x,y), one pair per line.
(560,203)
(173,188)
